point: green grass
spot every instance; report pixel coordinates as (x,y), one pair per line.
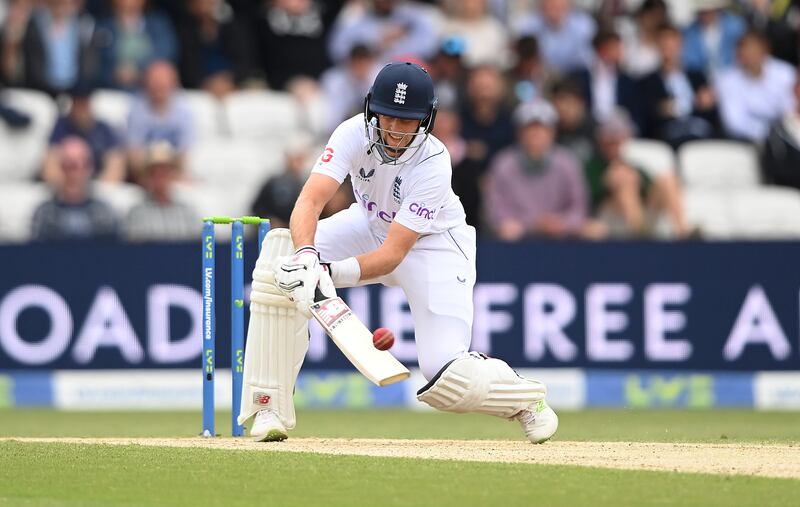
(73,475)
(596,425)
(67,475)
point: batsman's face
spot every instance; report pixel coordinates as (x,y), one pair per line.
(400,130)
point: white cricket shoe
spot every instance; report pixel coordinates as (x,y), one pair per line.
(539,422)
(267,427)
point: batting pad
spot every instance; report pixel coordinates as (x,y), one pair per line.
(277,338)
(476,383)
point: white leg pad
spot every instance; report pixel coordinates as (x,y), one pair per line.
(277,339)
(475,383)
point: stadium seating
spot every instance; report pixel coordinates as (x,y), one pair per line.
(120,196)
(766,213)
(264,116)
(19,201)
(210,120)
(654,157)
(718,165)
(22,150)
(112,107)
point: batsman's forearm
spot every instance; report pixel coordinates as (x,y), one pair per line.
(303,222)
(379,262)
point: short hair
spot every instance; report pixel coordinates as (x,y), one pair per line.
(527,46)
(605,36)
(566,87)
(669,28)
(753,34)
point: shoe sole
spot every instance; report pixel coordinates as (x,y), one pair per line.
(272,436)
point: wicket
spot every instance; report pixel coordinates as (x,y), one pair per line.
(237,314)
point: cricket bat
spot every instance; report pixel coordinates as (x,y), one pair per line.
(355,341)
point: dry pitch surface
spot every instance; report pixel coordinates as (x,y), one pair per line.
(779,460)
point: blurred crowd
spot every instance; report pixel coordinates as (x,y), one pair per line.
(537,99)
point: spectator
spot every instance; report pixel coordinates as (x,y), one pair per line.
(159,217)
(485,119)
(277,197)
(780,22)
(640,37)
(346,85)
(486,39)
(72,213)
(448,71)
(529,78)
(129,41)
(57,47)
(12,32)
(215,48)
(536,188)
(680,104)
(105,144)
(627,199)
(605,86)
(292,36)
(159,115)
(564,34)
(781,155)
(468,169)
(710,41)
(394,27)
(756,92)
(575,125)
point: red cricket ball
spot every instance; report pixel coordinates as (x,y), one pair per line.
(383,339)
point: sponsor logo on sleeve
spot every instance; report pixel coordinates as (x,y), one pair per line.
(327,155)
(420,210)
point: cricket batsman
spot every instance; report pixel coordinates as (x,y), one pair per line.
(407,228)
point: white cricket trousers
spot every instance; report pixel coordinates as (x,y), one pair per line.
(437,276)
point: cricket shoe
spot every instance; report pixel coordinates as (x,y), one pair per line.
(267,427)
(539,422)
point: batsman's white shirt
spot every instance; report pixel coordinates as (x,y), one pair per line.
(438,274)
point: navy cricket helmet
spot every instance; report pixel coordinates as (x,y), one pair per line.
(401,90)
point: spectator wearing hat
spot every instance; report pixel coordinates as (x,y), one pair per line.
(159,114)
(755,92)
(626,198)
(536,188)
(130,40)
(395,28)
(277,197)
(160,217)
(448,71)
(345,85)
(564,33)
(679,103)
(73,213)
(104,142)
(781,154)
(605,85)
(485,37)
(710,40)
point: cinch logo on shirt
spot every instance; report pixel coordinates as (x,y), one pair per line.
(420,210)
(371,205)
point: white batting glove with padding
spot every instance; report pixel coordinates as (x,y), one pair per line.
(297,277)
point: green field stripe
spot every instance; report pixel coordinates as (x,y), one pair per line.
(721,426)
(71,475)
